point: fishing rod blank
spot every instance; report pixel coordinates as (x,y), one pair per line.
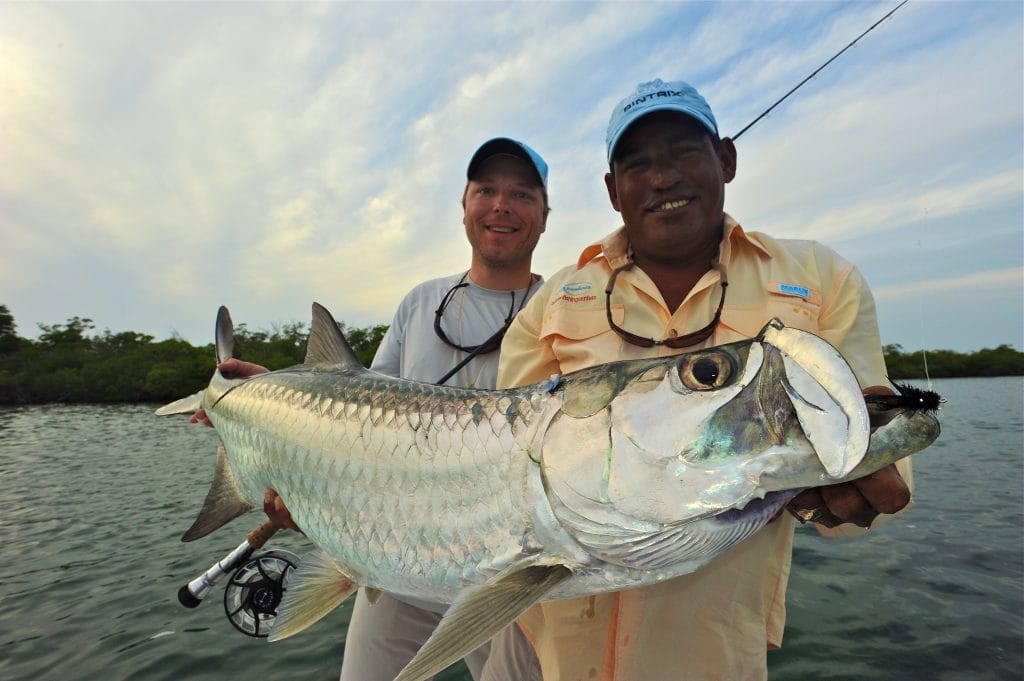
(817,70)
(193,593)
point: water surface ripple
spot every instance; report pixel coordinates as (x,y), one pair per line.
(96,497)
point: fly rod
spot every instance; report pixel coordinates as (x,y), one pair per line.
(817,70)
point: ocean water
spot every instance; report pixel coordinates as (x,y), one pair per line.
(94,498)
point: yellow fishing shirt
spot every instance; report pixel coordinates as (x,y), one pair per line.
(717,623)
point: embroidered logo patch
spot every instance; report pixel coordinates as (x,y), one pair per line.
(794,290)
(575,289)
(576,293)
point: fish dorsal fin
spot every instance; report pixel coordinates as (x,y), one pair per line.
(224,335)
(327,344)
(318,586)
(224,502)
(480,615)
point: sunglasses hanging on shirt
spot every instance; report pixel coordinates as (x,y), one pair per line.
(489,345)
(698,336)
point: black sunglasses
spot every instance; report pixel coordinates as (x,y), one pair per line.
(689,339)
(492,343)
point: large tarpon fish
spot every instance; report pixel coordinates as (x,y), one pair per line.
(613,477)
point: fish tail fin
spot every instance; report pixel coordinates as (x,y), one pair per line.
(224,337)
(224,502)
(317,587)
(186,405)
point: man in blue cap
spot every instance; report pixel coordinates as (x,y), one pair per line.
(447,331)
(679,275)
(438,325)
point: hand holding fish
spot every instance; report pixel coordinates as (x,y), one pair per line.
(273,506)
(858,502)
(231,368)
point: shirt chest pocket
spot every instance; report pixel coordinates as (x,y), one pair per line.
(798,309)
(581,337)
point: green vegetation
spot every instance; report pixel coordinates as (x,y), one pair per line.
(1001,361)
(69,363)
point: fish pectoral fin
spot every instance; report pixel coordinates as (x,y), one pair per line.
(480,614)
(186,405)
(318,586)
(372,595)
(224,502)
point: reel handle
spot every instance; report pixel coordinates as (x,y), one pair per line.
(192,594)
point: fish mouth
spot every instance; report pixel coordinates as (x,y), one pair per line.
(756,510)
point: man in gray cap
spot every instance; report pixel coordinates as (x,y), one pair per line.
(679,275)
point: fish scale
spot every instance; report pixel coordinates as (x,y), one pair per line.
(397,479)
(614,477)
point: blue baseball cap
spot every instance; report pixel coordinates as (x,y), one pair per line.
(504,145)
(656,95)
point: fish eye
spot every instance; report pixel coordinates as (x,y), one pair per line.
(706,370)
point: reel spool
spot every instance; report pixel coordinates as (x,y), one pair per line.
(252,595)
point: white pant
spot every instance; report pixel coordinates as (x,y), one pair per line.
(383,638)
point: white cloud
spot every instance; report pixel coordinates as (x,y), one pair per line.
(909,205)
(1004,279)
(160,159)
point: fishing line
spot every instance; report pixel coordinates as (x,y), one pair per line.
(801,84)
(920,325)
(816,71)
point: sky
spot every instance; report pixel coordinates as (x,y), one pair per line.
(158,160)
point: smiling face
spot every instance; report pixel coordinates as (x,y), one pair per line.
(505,213)
(668,182)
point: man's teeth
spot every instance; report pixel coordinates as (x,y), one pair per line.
(672,205)
(503,230)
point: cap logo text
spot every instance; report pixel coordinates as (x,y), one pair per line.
(654,95)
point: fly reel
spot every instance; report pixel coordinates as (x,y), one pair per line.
(254,592)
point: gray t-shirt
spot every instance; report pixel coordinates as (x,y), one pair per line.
(410,349)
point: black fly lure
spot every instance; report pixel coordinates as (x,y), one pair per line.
(908,397)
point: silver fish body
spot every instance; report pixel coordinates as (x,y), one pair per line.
(410,486)
(613,477)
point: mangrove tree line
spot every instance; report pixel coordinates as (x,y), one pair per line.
(70,362)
